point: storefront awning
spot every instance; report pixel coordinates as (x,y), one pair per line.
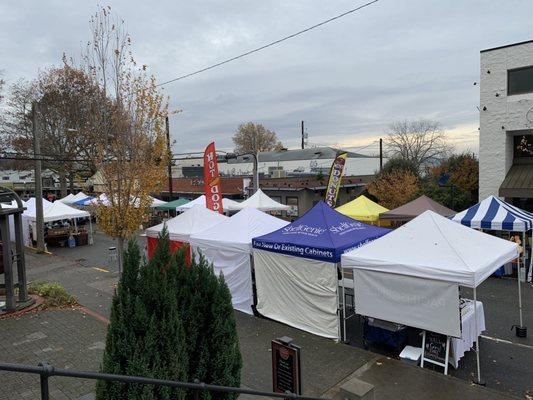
(518,182)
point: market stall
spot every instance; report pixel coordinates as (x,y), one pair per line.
(296,269)
(414,208)
(497,215)
(260,201)
(59,234)
(412,276)
(363,209)
(228,245)
(180,228)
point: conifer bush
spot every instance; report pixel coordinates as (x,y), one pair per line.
(170,321)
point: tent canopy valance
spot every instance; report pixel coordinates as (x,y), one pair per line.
(362,209)
(416,207)
(497,215)
(321,234)
(260,201)
(192,221)
(434,247)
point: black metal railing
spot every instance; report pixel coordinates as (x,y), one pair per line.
(46,371)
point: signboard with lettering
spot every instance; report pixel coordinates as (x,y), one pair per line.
(286,375)
(435,349)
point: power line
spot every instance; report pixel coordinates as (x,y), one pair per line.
(269,44)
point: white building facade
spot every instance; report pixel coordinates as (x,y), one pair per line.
(506,124)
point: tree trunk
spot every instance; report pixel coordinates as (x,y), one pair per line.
(72,176)
(120,254)
(62,181)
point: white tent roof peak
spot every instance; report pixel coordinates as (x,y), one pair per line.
(434,247)
(260,201)
(57,211)
(236,232)
(194,220)
(226,203)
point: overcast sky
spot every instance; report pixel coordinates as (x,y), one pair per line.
(348,80)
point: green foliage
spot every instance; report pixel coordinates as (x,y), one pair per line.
(455,198)
(54,294)
(400,164)
(170,321)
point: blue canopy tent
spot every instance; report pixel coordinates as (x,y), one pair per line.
(296,269)
(497,215)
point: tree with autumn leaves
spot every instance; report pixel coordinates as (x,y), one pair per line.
(398,182)
(131,155)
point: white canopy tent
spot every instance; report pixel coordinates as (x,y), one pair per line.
(226,204)
(260,201)
(430,253)
(181,227)
(228,245)
(57,211)
(30,204)
(67,199)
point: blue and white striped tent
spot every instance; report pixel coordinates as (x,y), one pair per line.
(497,215)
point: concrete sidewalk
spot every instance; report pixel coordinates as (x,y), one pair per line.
(71,339)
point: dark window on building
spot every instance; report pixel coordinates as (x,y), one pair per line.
(520,80)
(293,203)
(5,178)
(523,146)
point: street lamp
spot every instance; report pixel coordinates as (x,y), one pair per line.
(246,156)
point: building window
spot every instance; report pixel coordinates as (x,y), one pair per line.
(293,203)
(523,146)
(520,80)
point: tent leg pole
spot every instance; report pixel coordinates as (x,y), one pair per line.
(479,381)
(343,308)
(91,239)
(521,331)
(530,273)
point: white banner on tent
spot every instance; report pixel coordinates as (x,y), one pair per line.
(298,292)
(421,303)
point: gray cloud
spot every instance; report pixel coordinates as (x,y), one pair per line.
(347,80)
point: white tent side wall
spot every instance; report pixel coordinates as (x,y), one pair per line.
(422,303)
(298,292)
(236,268)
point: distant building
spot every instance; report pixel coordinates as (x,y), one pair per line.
(22,182)
(301,193)
(279,164)
(506,124)
(192,188)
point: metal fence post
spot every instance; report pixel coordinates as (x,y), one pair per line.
(196,391)
(47,371)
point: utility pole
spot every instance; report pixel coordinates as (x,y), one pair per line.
(170,192)
(380,154)
(303,136)
(38,179)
